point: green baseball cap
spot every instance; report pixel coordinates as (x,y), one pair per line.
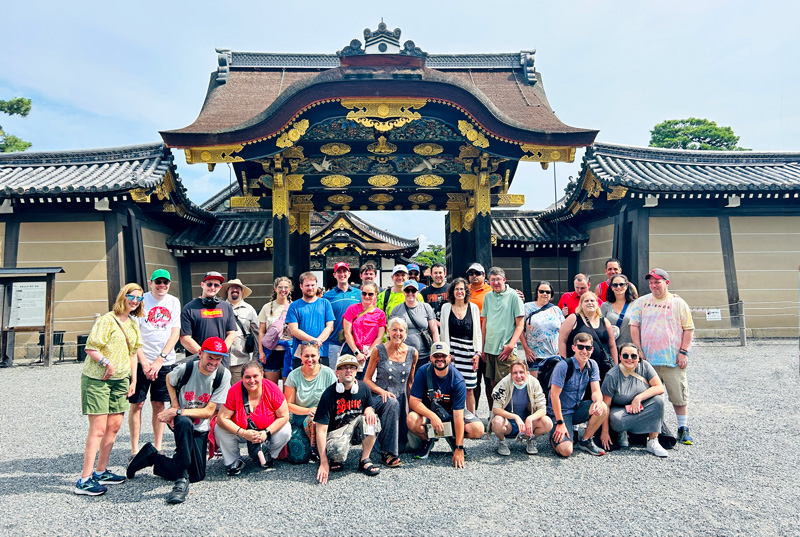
(160,273)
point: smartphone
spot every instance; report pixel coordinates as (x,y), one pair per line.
(629,407)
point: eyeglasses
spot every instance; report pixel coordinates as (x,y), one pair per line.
(309,343)
(583,347)
(410,291)
(347,368)
(545,292)
(367,294)
(624,284)
(459,290)
(134,297)
(161,281)
(213,284)
(626,356)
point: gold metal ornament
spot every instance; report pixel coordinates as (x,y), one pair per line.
(220,153)
(511,200)
(340,199)
(288,138)
(295,182)
(617,193)
(428,150)
(428,180)
(139,195)
(475,137)
(335,149)
(381,198)
(268,242)
(335,181)
(383,114)
(244,202)
(382,147)
(382,181)
(420,198)
(546,153)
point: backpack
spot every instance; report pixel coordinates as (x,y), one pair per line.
(299,447)
(546,372)
(187,374)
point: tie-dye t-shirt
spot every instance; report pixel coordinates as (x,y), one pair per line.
(661,324)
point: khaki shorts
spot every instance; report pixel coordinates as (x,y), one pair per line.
(496,369)
(338,441)
(104,396)
(674,380)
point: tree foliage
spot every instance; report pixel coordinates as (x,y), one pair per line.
(434,253)
(19,106)
(693,133)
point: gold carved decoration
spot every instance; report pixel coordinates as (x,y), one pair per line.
(420,198)
(382,181)
(415,207)
(165,187)
(547,153)
(398,207)
(381,147)
(455,220)
(280,201)
(295,182)
(483,199)
(428,150)
(335,181)
(494,240)
(363,207)
(220,153)
(381,198)
(340,199)
(335,149)
(169,207)
(587,206)
(292,223)
(428,180)
(288,138)
(617,193)
(468,220)
(592,185)
(139,195)
(468,181)
(244,202)
(295,152)
(511,200)
(268,242)
(475,137)
(383,114)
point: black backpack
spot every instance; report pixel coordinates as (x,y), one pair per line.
(546,372)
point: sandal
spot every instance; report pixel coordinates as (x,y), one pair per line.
(391,461)
(366,467)
(335,466)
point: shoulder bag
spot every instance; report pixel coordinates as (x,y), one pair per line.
(424,333)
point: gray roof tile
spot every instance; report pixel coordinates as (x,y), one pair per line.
(525,226)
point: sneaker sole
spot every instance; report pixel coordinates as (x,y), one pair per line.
(504,453)
(591,452)
(82,492)
(104,483)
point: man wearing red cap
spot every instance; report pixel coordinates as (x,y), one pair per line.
(341,297)
(195,389)
(208,316)
(662,327)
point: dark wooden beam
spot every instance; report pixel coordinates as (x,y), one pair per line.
(113,234)
(526,279)
(729,265)
(11,244)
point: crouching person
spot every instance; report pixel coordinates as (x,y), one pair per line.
(255,413)
(343,418)
(567,385)
(195,389)
(520,409)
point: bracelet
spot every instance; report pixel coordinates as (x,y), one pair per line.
(238,431)
(684,352)
(104,362)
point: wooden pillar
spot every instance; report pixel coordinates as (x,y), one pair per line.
(50,304)
(482,225)
(10,252)
(114,276)
(729,265)
(300,234)
(461,248)
(280,227)
(640,242)
(527,287)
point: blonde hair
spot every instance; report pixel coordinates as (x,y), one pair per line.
(518,361)
(119,304)
(579,309)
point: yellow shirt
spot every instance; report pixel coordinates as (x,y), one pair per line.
(107,338)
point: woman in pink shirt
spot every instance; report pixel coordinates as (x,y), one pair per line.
(364,325)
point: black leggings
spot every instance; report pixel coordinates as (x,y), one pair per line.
(191,450)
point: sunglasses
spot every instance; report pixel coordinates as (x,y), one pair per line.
(544,292)
(134,297)
(473,273)
(213,284)
(367,294)
(619,284)
(583,347)
(161,281)
(626,356)
(438,356)
(309,344)
(410,291)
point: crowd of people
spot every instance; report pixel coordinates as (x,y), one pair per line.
(393,370)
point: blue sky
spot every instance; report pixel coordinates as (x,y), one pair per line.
(105,73)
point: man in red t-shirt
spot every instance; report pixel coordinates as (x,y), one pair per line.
(569,301)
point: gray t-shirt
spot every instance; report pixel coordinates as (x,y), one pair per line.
(421,314)
(197,392)
(623,389)
(607,311)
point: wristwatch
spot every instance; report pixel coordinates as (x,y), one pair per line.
(179,412)
(559,422)
(164,356)
(460,446)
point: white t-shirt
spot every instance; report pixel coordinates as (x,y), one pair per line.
(160,317)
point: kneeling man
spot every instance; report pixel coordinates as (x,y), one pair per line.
(195,389)
(520,409)
(344,417)
(439,395)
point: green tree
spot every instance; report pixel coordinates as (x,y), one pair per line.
(434,253)
(19,106)
(693,133)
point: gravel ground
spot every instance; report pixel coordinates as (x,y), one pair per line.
(738,478)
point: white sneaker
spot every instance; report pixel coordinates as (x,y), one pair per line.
(622,439)
(655,448)
(503,449)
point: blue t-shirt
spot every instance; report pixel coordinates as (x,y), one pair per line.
(340,301)
(311,318)
(519,403)
(450,391)
(572,393)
